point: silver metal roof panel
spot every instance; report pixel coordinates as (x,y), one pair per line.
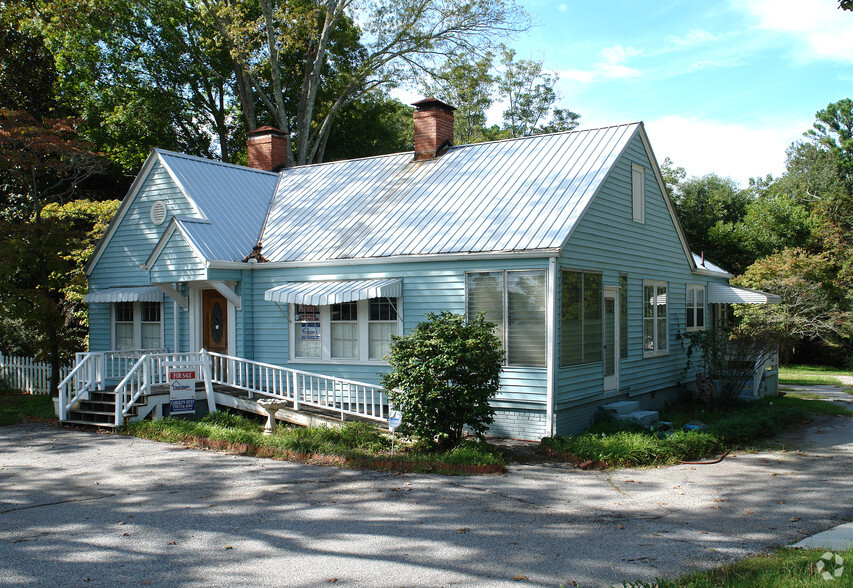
(513,195)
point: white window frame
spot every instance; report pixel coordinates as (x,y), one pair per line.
(656,351)
(505,325)
(325,336)
(693,308)
(638,192)
(137,326)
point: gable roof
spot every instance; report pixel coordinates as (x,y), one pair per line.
(231,202)
(522,194)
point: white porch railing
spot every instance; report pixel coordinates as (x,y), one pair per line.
(345,397)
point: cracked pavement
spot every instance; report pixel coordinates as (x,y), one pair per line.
(82,508)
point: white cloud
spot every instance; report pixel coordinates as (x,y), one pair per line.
(821,30)
(738,151)
(610,66)
(563,8)
(691,39)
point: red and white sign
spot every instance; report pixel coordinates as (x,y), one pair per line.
(182,392)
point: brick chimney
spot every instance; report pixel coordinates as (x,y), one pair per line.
(267,148)
(433,128)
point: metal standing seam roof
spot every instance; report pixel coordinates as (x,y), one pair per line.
(334,292)
(234,200)
(129,294)
(512,195)
(703,263)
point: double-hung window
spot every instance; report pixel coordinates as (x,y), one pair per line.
(695,307)
(137,325)
(349,331)
(655,318)
(580,318)
(515,302)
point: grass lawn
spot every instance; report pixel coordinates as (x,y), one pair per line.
(811,375)
(742,425)
(14,407)
(783,568)
(356,442)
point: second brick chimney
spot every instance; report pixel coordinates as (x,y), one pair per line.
(433,127)
(267,149)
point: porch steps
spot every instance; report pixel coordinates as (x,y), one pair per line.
(628,411)
(98,411)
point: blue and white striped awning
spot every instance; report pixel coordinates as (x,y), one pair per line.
(334,292)
(133,294)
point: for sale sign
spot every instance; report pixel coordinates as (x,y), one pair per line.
(182,391)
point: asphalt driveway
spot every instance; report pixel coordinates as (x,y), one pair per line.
(81,508)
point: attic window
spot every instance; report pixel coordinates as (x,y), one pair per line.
(158,212)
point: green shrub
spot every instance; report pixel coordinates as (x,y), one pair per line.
(443,374)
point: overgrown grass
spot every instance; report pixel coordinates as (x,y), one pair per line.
(725,428)
(356,440)
(811,375)
(783,568)
(14,407)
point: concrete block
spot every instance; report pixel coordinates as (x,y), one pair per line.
(621,408)
(641,417)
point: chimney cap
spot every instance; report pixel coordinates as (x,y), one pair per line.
(432,103)
(266,130)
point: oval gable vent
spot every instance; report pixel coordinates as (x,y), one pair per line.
(158,212)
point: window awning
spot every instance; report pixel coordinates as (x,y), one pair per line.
(728,294)
(334,292)
(135,294)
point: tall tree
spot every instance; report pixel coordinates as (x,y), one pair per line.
(530,96)
(42,162)
(283,54)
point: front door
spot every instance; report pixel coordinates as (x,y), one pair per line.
(214,325)
(611,339)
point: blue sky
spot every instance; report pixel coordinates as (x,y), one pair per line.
(722,86)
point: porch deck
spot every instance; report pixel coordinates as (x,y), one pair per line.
(90,394)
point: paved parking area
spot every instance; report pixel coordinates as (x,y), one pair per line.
(81,508)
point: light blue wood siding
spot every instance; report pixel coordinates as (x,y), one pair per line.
(609,241)
(130,245)
(177,262)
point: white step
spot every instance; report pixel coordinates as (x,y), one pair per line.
(641,417)
(621,408)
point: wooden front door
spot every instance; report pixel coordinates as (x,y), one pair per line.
(214,321)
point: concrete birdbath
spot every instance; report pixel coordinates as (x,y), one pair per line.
(271,405)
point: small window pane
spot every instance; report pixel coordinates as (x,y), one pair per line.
(526,332)
(571,313)
(151,312)
(344,340)
(124,335)
(648,301)
(379,339)
(592,327)
(648,334)
(661,301)
(151,335)
(700,317)
(346,311)
(124,312)
(383,309)
(486,295)
(662,336)
(306,331)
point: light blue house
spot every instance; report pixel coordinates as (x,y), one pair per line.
(568,242)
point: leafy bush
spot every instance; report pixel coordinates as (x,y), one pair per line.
(443,374)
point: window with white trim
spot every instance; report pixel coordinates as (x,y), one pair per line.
(515,301)
(638,192)
(137,325)
(695,307)
(580,317)
(655,318)
(347,332)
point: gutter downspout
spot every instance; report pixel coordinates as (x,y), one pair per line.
(551,342)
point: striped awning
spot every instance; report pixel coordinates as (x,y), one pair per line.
(728,294)
(134,294)
(334,292)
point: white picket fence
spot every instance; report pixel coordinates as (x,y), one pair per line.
(27,375)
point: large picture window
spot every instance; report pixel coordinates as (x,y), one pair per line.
(655,325)
(580,318)
(349,331)
(695,307)
(515,302)
(137,325)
